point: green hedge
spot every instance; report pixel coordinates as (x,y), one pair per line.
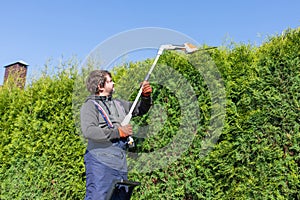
(257,154)
(41,154)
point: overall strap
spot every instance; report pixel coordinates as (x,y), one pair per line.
(103,114)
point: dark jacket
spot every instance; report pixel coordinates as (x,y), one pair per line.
(104,142)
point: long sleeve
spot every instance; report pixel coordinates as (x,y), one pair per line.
(141,108)
(90,126)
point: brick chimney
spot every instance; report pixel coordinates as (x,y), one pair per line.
(16,73)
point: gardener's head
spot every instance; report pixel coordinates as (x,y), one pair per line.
(100,82)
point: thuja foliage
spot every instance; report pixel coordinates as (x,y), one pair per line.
(253,148)
(41,154)
(257,154)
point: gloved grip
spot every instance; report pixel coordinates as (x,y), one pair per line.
(125,131)
(147,90)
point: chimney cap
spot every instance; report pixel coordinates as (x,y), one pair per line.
(17,62)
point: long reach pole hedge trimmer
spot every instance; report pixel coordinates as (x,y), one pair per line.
(186,47)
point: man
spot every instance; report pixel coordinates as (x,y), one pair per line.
(101,117)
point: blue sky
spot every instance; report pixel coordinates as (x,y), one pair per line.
(38,31)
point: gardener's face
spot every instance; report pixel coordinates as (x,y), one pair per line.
(108,88)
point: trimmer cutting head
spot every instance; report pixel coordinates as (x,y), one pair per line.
(190,48)
(186,47)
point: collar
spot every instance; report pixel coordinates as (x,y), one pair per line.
(103,98)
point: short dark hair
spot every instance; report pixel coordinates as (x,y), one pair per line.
(95,78)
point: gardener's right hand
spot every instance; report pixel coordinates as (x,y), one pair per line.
(125,131)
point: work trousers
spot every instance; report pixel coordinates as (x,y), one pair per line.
(100,178)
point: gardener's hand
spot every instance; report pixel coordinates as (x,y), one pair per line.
(147,90)
(125,131)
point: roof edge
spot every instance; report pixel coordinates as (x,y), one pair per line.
(20,62)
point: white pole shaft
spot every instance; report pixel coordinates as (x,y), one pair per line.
(129,115)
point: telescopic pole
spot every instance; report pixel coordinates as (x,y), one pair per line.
(129,115)
(187,48)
